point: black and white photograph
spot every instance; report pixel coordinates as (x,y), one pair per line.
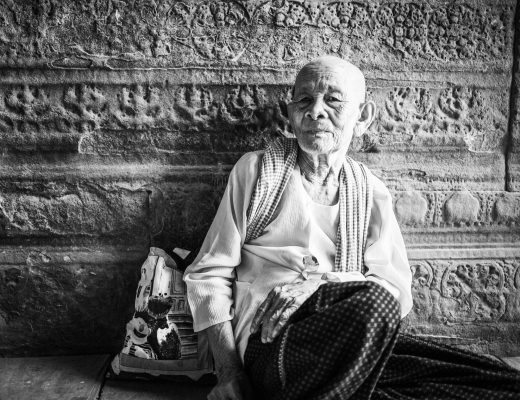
(259,200)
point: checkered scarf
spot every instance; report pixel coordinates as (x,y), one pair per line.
(278,163)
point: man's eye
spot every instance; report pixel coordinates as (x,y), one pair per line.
(304,100)
(332,99)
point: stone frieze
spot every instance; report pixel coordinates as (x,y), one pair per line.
(278,33)
(116,119)
(457,209)
(465,291)
(160,204)
(476,300)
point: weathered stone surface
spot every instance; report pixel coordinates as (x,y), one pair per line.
(411,208)
(121,205)
(209,124)
(73,300)
(443,169)
(474,301)
(461,208)
(513,148)
(513,171)
(120,119)
(461,216)
(117,210)
(184,209)
(124,34)
(175,210)
(417,117)
(65,300)
(457,209)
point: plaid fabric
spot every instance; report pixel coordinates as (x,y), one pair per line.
(321,354)
(425,369)
(355,201)
(343,343)
(277,165)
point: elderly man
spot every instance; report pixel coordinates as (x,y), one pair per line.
(303,277)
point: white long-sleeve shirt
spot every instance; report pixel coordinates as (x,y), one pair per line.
(229,279)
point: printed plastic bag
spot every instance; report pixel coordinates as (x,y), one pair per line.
(159,338)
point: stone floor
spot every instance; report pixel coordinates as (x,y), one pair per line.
(83,378)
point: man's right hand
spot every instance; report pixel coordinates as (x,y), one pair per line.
(233,383)
(282,302)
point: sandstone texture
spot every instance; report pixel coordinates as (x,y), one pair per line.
(120,121)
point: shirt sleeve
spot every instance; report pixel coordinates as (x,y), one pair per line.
(210,277)
(385,253)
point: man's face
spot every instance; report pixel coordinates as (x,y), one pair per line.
(324,109)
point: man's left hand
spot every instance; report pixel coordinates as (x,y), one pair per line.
(280,304)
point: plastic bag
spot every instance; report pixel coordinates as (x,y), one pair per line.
(159,339)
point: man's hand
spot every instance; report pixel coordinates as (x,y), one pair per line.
(233,383)
(279,305)
(236,387)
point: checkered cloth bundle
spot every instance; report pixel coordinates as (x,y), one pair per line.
(344,343)
(355,201)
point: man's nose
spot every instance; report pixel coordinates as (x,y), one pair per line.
(316,109)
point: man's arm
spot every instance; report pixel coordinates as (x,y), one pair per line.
(232,380)
(385,253)
(209,279)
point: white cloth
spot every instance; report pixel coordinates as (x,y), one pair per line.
(229,279)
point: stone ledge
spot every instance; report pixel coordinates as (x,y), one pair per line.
(451,169)
(237,75)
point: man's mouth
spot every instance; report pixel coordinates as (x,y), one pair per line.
(317,132)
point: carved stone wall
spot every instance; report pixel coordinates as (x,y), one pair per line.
(120,121)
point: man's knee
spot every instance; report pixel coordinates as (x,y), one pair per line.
(382,303)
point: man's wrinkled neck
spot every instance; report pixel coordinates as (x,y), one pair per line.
(321,168)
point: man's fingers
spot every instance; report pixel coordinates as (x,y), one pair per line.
(274,321)
(282,321)
(277,302)
(261,311)
(271,317)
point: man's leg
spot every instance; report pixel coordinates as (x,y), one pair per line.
(422,369)
(334,346)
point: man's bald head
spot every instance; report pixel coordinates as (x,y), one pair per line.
(328,106)
(325,66)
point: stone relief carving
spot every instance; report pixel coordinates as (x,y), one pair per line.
(457,209)
(145,32)
(512,312)
(506,208)
(468,118)
(54,208)
(422,279)
(457,116)
(460,291)
(473,291)
(461,208)
(411,208)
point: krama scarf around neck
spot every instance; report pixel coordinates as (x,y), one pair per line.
(355,201)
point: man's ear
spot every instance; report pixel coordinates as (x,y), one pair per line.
(367,113)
